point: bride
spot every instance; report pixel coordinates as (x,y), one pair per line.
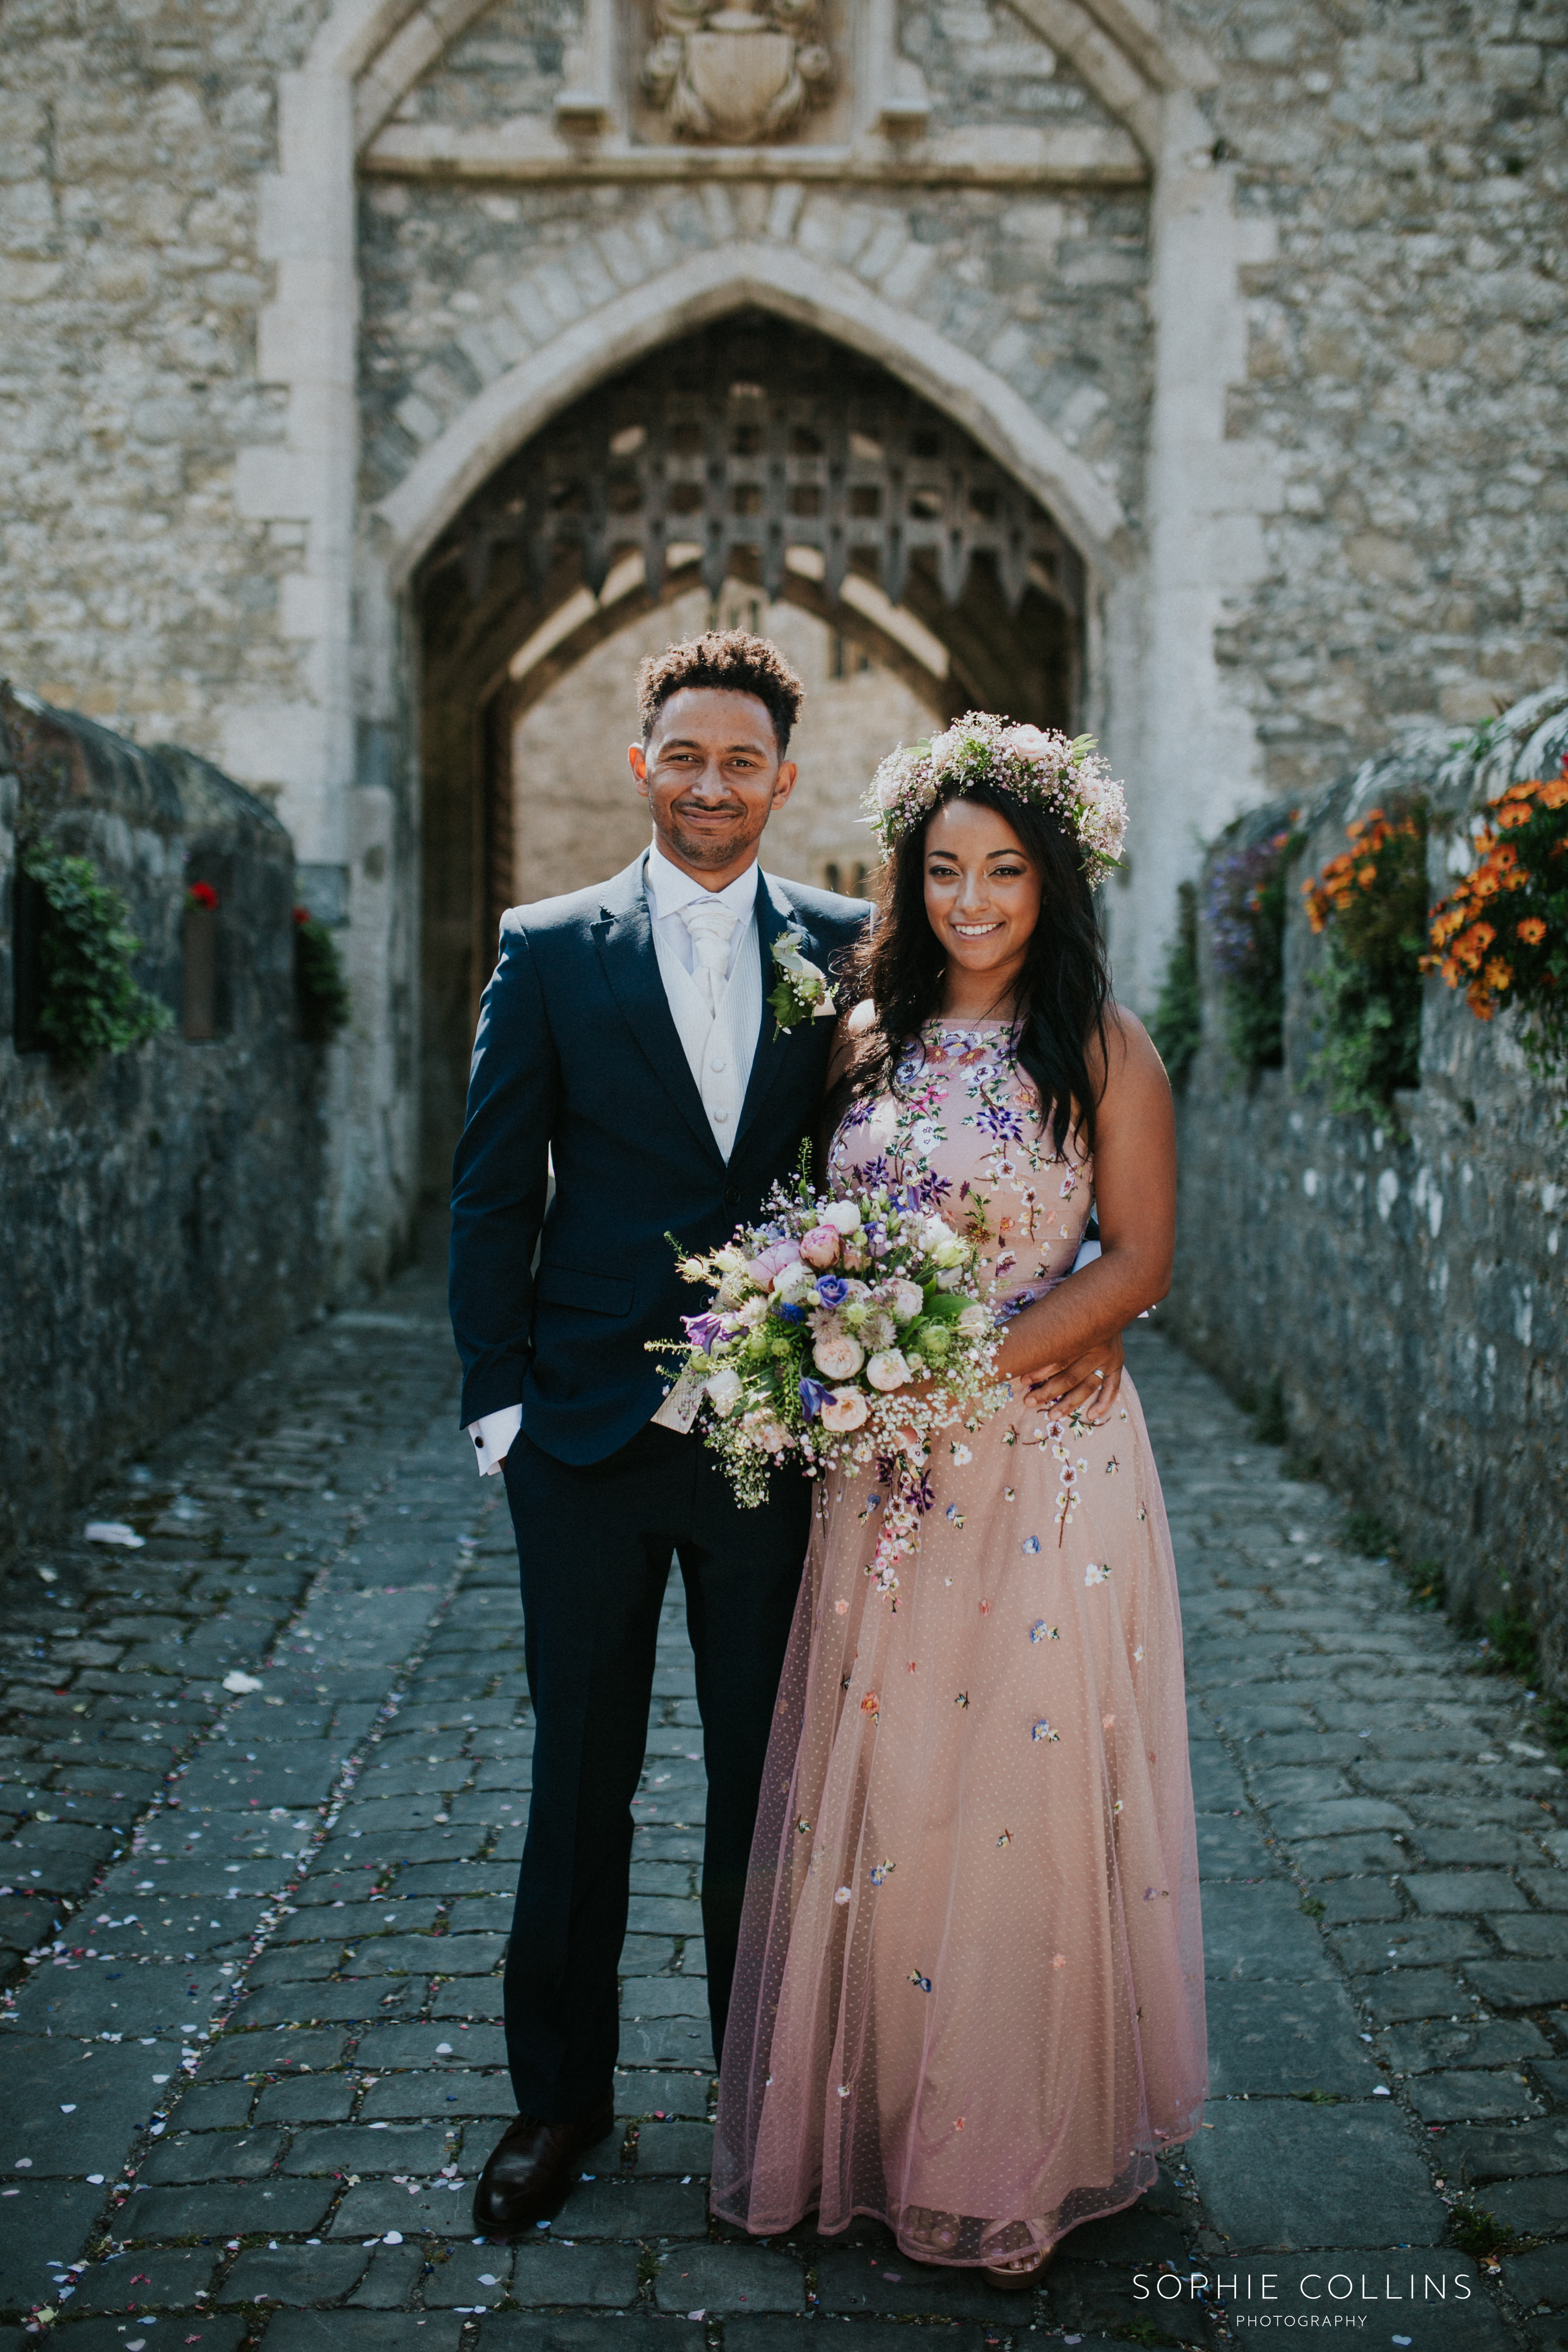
(970,1993)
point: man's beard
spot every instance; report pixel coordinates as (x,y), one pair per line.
(697,850)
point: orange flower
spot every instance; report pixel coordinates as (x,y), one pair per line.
(1498,974)
(1452,972)
(1523,792)
(1555,795)
(1515,813)
(1483,883)
(1532,931)
(1366,876)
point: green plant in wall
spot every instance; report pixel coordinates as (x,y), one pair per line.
(1246,915)
(1370,905)
(1177,1027)
(89,1002)
(320,988)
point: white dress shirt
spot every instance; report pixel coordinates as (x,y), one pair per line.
(719,1039)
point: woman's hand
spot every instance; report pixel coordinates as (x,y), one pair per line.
(1090,1384)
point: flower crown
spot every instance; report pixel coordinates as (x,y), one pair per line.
(1033,763)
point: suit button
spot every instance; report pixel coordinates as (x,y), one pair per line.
(732,1196)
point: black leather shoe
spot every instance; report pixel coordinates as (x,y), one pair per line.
(531,2169)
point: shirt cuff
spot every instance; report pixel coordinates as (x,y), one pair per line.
(492,1436)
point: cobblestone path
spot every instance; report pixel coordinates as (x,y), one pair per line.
(265,1783)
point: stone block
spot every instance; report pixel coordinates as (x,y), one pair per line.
(664,1915)
(1508,2153)
(438,2096)
(1539,2277)
(1260,1931)
(655,1997)
(219,2107)
(1532,1935)
(155,2281)
(382,2047)
(109,2088)
(665,2042)
(220,2332)
(1472,1890)
(675,2148)
(1415,1992)
(312,2099)
(467,2275)
(1535,2208)
(656,2095)
(1286,2038)
(730,2278)
(1471,2096)
(364,2331)
(1217,1783)
(850,2281)
(357,2000)
(1352,2175)
(164,1998)
(1547,1888)
(359,2147)
(1369,1949)
(1347,1899)
(1519,1984)
(213,2155)
(632,2207)
(602,2277)
(1339,1817)
(287,2049)
(376,2206)
(294,2275)
(1231,1845)
(294,2207)
(1102,2301)
(468,1998)
(1375,1856)
(1415,2049)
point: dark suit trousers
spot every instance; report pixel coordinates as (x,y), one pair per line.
(595,1544)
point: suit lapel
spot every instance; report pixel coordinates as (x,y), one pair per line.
(774,914)
(623,935)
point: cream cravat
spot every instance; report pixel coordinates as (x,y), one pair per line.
(713,925)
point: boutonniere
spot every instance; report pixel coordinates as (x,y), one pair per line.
(801,991)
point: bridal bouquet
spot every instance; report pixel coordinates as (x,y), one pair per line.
(841,1332)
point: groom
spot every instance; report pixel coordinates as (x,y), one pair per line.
(624,1042)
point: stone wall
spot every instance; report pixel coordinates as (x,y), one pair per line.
(1405,1285)
(161,1218)
(1406,361)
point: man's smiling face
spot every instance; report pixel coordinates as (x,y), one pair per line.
(711,775)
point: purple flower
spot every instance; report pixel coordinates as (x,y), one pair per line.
(789,1311)
(833,1290)
(813,1395)
(704,1331)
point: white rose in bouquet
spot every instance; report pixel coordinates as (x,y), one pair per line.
(887,1370)
(905,1299)
(973,1323)
(845,1410)
(724,1390)
(793,1283)
(845,1215)
(839,1358)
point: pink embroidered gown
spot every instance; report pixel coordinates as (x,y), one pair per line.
(970,1992)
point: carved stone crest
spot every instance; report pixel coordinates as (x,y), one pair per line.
(736,75)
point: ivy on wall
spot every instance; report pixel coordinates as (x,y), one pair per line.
(1370,905)
(320,988)
(1177,1027)
(90,1005)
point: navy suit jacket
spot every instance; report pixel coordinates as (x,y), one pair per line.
(577,1059)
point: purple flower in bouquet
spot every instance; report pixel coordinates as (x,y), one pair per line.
(789,1311)
(833,1290)
(813,1395)
(704,1331)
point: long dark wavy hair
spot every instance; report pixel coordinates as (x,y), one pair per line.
(1062,992)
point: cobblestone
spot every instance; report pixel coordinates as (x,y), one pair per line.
(251,2054)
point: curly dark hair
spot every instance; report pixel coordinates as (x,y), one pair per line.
(1064,990)
(731,659)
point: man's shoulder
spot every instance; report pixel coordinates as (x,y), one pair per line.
(572,911)
(822,911)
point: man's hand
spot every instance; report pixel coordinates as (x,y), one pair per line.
(1091,1383)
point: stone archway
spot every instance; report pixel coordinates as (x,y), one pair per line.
(753,451)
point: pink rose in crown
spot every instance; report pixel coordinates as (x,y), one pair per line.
(820,1247)
(771,1262)
(1031,742)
